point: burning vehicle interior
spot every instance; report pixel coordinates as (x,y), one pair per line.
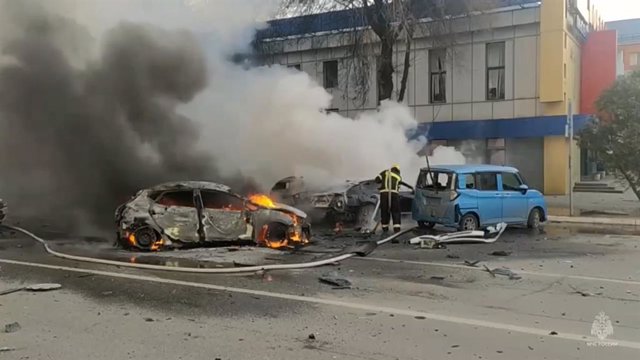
(183,214)
(353,202)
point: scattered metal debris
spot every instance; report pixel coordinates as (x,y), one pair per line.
(13,327)
(35,287)
(489,271)
(6,349)
(500,253)
(453,256)
(553,333)
(333,278)
(471,263)
(489,235)
(311,336)
(581,292)
(507,272)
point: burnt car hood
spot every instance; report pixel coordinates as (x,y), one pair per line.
(336,189)
(286,208)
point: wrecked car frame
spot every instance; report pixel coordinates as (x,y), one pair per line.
(182,214)
(355,202)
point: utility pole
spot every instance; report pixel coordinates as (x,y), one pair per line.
(570,135)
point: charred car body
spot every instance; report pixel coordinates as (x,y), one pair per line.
(3,210)
(192,213)
(355,202)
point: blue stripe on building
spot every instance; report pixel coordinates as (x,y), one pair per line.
(528,127)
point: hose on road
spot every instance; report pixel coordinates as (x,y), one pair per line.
(239,270)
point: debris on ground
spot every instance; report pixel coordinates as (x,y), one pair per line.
(502,271)
(453,256)
(489,235)
(13,327)
(581,292)
(471,263)
(6,349)
(149,319)
(553,333)
(312,336)
(335,279)
(438,278)
(35,287)
(500,253)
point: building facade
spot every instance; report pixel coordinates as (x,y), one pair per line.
(500,90)
(628,44)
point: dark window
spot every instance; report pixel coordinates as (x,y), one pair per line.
(282,185)
(330,71)
(469,181)
(183,198)
(437,76)
(496,151)
(296,66)
(510,182)
(435,180)
(495,71)
(221,200)
(487,181)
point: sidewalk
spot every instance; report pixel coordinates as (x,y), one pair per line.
(596,208)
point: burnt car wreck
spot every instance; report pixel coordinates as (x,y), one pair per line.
(353,202)
(183,214)
(3,210)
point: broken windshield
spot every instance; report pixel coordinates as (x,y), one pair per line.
(435,180)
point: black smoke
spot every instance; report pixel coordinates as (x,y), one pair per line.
(78,138)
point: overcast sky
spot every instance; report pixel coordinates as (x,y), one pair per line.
(618,9)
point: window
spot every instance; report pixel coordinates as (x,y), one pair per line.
(176,198)
(633,59)
(487,181)
(295,66)
(495,71)
(496,151)
(330,71)
(469,181)
(510,182)
(437,76)
(435,180)
(220,201)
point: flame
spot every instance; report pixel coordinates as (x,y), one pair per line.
(154,247)
(262,200)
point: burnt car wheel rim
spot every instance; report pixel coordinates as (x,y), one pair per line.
(145,237)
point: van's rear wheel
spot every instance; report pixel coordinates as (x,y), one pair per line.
(426,224)
(469,222)
(534,220)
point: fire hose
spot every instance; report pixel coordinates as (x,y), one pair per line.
(245,269)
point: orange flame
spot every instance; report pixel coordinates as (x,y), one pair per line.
(262,200)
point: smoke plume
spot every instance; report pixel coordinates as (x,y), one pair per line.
(93,110)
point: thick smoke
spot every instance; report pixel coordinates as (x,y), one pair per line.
(93,103)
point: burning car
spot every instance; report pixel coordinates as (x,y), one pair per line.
(354,202)
(3,210)
(181,214)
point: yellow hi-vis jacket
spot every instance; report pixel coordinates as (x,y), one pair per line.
(389,181)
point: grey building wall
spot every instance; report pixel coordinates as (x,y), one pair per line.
(527,155)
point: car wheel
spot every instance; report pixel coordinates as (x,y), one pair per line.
(145,237)
(365,216)
(534,220)
(426,224)
(469,222)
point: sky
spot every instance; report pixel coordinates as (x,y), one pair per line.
(612,10)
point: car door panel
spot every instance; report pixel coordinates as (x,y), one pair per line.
(514,201)
(223,216)
(489,198)
(175,213)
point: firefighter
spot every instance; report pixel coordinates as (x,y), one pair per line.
(390,182)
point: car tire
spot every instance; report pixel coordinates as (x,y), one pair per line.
(426,224)
(534,220)
(469,222)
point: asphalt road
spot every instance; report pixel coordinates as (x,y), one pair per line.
(405,302)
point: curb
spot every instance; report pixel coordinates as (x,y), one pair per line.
(594,220)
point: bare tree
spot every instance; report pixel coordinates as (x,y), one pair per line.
(392,22)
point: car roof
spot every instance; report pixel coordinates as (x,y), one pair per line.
(472,168)
(201,185)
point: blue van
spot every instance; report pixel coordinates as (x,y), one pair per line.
(470,197)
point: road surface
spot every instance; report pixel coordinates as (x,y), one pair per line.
(405,303)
